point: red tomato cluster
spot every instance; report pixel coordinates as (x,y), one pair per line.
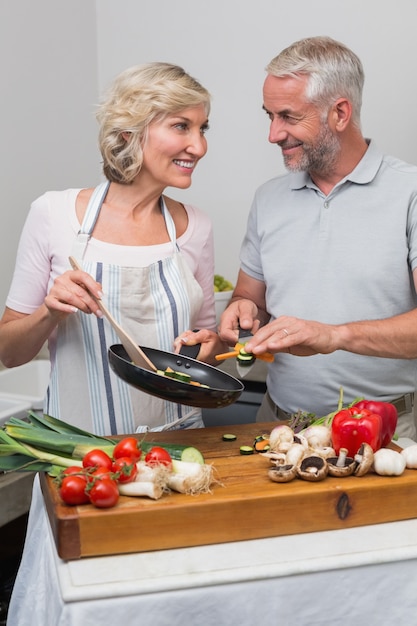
(96,482)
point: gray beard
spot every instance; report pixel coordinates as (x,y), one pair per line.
(320,157)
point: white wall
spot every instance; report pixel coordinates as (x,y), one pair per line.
(226,44)
(52,62)
(48,70)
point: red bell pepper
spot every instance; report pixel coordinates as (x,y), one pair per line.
(352,427)
(389,416)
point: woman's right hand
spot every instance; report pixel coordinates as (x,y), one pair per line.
(70,293)
(23,335)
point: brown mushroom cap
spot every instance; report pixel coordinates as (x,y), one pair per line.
(341,470)
(283,473)
(313,468)
(364,459)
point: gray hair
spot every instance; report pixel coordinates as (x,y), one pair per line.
(138,96)
(333,71)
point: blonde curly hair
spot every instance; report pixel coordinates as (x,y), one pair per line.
(137,97)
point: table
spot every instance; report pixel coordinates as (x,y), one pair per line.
(361,576)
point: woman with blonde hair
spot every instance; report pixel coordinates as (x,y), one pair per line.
(150,255)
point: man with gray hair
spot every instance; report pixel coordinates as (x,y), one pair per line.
(329,260)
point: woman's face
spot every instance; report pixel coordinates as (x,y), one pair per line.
(174,146)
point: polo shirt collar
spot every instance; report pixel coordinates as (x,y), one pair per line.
(364,172)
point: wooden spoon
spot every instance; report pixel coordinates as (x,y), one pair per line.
(134,351)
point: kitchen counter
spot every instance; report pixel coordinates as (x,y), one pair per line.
(22,389)
(358,576)
(15,494)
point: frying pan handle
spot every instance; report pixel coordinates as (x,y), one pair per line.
(191,351)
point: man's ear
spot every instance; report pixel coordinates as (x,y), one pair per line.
(340,114)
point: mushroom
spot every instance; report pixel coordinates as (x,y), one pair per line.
(325,452)
(283,473)
(364,459)
(299,438)
(277,458)
(295,454)
(342,465)
(312,468)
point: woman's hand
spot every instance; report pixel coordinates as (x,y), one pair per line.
(211,344)
(23,335)
(70,293)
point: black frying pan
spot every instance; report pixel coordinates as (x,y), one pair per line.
(222,390)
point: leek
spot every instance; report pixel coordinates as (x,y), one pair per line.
(21,463)
(75,446)
(59,426)
(15,456)
(44,443)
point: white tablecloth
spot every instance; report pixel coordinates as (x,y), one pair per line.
(361,576)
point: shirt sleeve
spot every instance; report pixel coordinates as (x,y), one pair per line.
(412,233)
(31,275)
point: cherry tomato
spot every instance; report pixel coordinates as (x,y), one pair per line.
(129,446)
(73,469)
(73,489)
(125,469)
(99,472)
(158,455)
(97,458)
(103,493)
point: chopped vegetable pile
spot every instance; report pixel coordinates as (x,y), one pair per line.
(350,441)
(183,377)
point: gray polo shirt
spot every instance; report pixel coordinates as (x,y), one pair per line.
(343,257)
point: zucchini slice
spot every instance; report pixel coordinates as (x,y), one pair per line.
(245,358)
(229,437)
(246,450)
(182,376)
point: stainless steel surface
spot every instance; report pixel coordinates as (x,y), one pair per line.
(257,373)
(243,371)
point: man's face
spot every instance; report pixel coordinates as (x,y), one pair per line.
(299,127)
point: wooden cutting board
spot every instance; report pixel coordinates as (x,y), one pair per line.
(245,504)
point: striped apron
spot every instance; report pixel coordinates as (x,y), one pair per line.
(153,304)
